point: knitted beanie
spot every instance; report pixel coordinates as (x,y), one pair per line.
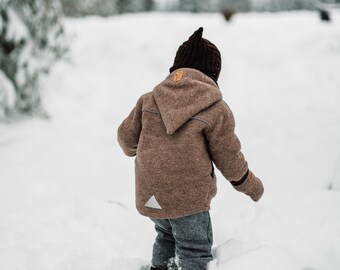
(200,54)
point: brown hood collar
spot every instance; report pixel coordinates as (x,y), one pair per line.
(183,94)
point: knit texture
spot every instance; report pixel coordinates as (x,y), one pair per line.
(177,132)
(200,54)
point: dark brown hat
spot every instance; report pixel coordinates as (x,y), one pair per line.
(200,54)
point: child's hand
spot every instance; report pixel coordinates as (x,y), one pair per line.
(252,187)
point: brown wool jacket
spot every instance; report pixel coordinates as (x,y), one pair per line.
(177,132)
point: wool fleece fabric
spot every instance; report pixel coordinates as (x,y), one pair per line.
(177,132)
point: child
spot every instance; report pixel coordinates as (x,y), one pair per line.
(177,132)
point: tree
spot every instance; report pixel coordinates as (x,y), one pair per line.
(282,5)
(32,38)
(194,6)
(149,5)
(236,5)
(123,6)
(79,8)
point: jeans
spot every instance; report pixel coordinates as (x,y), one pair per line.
(189,239)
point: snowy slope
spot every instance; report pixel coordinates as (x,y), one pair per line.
(67,191)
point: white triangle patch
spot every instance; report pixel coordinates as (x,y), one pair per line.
(152,203)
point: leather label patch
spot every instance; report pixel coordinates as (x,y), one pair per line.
(178,76)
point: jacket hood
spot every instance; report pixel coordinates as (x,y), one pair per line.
(183,94)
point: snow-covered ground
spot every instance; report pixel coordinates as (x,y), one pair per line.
(67,190)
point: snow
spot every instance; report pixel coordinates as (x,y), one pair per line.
(17,30)
(67,190)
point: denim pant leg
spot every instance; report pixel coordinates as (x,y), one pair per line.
(194,239)
(164,246)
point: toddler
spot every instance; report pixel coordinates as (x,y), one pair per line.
(177,132)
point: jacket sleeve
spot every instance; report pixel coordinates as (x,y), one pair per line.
(225,147)
(129,131)
(225,151)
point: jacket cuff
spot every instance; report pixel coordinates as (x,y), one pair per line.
(252,187)
(241,181)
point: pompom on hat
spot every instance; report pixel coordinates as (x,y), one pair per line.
(200,54)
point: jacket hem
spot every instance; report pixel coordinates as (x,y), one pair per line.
(161,214)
